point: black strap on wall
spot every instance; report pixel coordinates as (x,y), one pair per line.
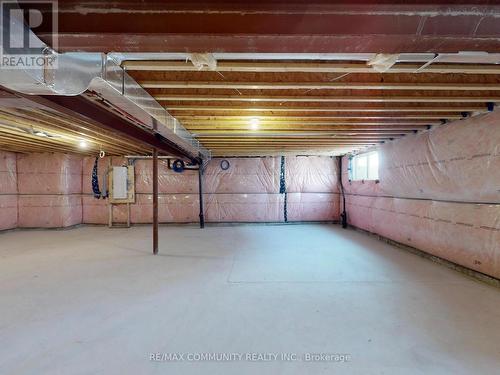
(282,176)
(285,208)
(283,187)
(95,180)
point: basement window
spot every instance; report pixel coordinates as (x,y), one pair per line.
(365,166)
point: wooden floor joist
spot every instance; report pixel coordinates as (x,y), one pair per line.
(34,130)
(320,85)
(427,109)
(272,134)
(332,118)
(249,106)
(331,99)
(258,107)
(311,67)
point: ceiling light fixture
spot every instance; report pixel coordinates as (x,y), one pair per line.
(254,123)
(83,144)
(40,134)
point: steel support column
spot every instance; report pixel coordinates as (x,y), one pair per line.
(155,201)
(200,186)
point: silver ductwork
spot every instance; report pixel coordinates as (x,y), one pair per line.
(72,74)
(464,57)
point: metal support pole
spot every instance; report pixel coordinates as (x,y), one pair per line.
(200,186)
(155,201)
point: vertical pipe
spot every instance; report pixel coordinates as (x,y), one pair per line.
(200,187)
(155,201)
(343,215)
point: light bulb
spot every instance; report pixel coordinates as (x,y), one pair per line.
(254,123)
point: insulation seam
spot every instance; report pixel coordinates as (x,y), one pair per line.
(437,220)
(424,199)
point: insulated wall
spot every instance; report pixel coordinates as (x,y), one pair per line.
(49,190)
(40,190)
(248,191)
(178,198)
(8,191)
(439,191)
(312,188)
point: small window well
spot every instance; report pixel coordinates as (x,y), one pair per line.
(364,166)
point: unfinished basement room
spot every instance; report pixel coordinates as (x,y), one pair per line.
(252,188)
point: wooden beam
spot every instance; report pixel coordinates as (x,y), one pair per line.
(468,108)
(215,124)
(67,132)
(207,128)
(332,99)
(277,133)
(305,142)
(308,67)
(319,85)
(342,118)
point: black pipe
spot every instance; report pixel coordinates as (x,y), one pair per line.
(343,215)
(200,186)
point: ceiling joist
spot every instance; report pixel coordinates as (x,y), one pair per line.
(320,85)
(311,67)
(331,99)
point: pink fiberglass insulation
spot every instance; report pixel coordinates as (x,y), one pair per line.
(459,161)
(172,208)
(8,174)
(439,191)
(49,173)
(8,190)
(49,211)
(244,175)
(312,187)
(177,203)
(311,174)
(248,191)
(313,206)
(49,188)
(244,207)
(168,181)
(94,211)
(8,212)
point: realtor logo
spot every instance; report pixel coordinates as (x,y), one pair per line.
(20,21)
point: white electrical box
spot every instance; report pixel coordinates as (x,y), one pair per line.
(119,187)
(122,186)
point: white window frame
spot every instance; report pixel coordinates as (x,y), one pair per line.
(355,174)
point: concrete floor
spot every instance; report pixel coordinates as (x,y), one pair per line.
(94,301)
